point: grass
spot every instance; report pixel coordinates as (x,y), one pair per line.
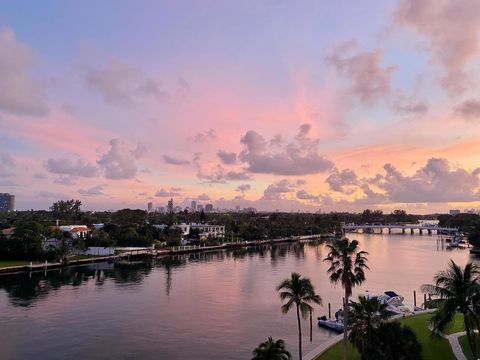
(455,326)
(8,263)
(432,347)
(466,347)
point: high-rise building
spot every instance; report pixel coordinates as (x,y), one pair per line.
(193,206)
(150,207)
(7,202)
(170,206)
(208,208)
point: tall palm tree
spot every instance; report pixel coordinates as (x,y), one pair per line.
(366,315)
(298,291)
(459,290)
(271,350)
(347,267)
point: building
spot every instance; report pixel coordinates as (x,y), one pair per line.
(150,207)
(454,212)
(208,208)
(7,202)
(170,206)
(199,207)
(193,206)
(209,230)
(75,230)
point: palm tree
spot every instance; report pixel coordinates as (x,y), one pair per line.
(298,291)
(458,290)
(271,350)
(395,342)
(366,315)
(347,266)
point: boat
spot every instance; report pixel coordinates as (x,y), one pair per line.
(393,301)
(331,324)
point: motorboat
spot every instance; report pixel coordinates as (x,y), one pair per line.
(331,324)
(393,301)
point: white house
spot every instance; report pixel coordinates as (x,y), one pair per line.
(75,230)
(209,230)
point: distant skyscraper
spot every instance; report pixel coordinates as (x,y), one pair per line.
(150,207)
(170,206)
(209,208)
(7,202)
(193,206)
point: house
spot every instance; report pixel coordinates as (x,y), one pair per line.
(209,230)
(75,230)
(185,228)
(8,232)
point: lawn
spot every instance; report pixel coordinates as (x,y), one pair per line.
(466,347)
(8,263)
(432,347)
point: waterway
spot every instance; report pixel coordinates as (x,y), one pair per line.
(217,305)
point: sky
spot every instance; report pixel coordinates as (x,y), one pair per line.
(273,104)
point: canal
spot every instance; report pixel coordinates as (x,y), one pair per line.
(217,305)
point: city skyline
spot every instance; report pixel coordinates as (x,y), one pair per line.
(269,104)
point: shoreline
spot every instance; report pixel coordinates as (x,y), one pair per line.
(152,253)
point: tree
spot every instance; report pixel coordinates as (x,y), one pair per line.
(27,240)
(458,289)
(66,210)
(298,291)
(271,350)
(366,315)
(347,266)
(392,341)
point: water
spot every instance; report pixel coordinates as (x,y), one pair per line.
(204,306)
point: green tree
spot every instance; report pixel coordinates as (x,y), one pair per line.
(300,292)
(271,350)
(26,241)
(366,315)
(347,267)
(66,210)
(458,289)
(392,341)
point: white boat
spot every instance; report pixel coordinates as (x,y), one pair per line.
(393,301)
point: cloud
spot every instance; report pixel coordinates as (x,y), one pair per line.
(52,195)
(39,176)
(470,109)
(93,191)
(7,164)
(20,94)
(299,157)
(174,161)
(369,81)
(121,83)
(338,180)
(451,29)
(120,161)
(437,181)
(65,180)
(227,158)
(304,195)
(243,188)
(173,192)
(408,104)
(203,197)
(7,182)
(277,190)
(208,135)
(78,167)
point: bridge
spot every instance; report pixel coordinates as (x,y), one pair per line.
(372,228)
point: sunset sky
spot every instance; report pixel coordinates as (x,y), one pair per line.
(289,105)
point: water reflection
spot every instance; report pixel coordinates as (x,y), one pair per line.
(26,288)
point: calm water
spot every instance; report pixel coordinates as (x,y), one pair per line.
(206,306)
